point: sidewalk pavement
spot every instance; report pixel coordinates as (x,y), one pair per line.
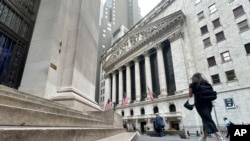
(173,138)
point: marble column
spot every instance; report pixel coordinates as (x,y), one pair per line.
(107,88)
(120,86)
(113,87)
(137,80)
(161,70)
(179,64)
(148,71)
(128,81)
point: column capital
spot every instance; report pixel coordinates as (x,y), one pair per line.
(120,69)
(158,46)
(176,36)
(106,76)
(146,53)
(136,59)
(114,72)
(127,64)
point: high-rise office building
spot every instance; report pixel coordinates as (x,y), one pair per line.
(118,16)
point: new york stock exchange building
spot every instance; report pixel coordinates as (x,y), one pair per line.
(162,52)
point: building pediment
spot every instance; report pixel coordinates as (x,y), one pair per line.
(142,36)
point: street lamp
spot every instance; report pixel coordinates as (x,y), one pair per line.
(216,118)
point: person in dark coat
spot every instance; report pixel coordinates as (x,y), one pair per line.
(159,121)
(204,108)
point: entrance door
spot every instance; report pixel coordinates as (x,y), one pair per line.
(175,125)
(143,126)
(17,19)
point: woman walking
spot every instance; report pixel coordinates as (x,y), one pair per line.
(204,108)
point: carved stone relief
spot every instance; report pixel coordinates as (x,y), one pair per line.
(134,40)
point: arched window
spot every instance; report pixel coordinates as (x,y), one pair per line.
(142,111)
(172,108)
(131,112)
(156,110)
(123,113)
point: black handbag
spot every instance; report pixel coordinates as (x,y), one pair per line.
(188,105)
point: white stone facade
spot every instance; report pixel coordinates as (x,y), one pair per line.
(66,37)
(177,22)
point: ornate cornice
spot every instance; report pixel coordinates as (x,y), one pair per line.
(143,23)
(168,26)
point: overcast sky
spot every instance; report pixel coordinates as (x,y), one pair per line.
(147,5)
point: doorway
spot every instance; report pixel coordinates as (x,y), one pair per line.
(143,126)
(175,125)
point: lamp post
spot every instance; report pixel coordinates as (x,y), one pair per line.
(216,118)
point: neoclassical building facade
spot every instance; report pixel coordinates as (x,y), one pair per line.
(163,50)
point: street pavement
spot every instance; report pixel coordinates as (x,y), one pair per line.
(173,138)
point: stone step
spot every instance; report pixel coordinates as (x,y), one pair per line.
(10,115)
(24,100)
(21,95)
(56,133)
(126,136)
(12,100)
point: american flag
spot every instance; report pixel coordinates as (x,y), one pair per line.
(151,95)
(124,99)
(108,104)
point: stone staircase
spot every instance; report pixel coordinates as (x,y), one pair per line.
(127,136)
(25,117)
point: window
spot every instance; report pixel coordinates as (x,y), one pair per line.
(200,15)
(123,113)
(204,30)
(212,8)
(142,111)
(156,110)
(225,56)
(211,61)
(239,11)
(243,25)
(131,112)
(247,47)
(220,36)
(215,79)
(172,108)
(230,75)
(207,42)
(216,23)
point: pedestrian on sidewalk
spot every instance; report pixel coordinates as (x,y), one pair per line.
(203,107)
(134,127)
(159,122)
(227,124)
